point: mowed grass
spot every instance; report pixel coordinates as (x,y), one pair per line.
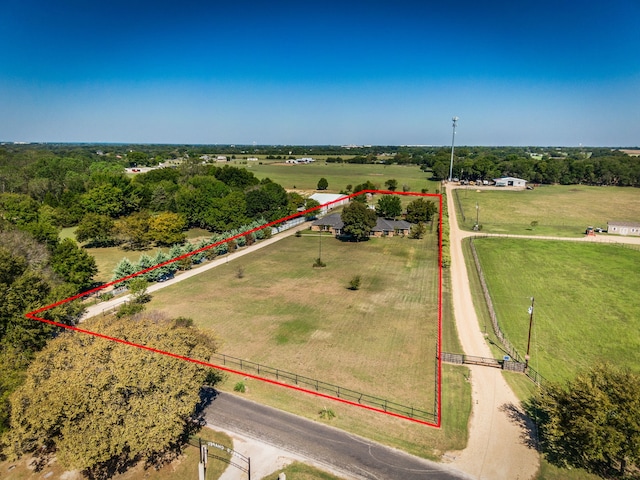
(560,210)
(339,175)
(587,307)
(380,340)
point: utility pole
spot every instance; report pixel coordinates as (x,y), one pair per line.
(526,357)
(477,217)
(453,141)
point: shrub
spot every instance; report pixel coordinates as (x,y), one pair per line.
(327,413)
(240,387)
(354,283)
(319,263)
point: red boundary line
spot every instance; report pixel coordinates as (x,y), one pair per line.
(33,314)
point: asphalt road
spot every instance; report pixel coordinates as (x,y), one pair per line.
(348,455)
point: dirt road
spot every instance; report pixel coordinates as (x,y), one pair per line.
(499,446)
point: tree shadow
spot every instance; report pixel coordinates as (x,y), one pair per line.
(529,432)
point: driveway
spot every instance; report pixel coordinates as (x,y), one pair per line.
(256,428)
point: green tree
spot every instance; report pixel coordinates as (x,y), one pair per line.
(417,231)
(593,422)
(132,404)
(391,184)
(227,213)
(73,264)
(18,209)
(167,228)
(389,206)
(311,203)
(134,230)
(104,199)
(124,268)
(421,210)
(358,220)
(96,229)
(268,201)
(323,184)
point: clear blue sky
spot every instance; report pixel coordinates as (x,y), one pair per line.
(519,72)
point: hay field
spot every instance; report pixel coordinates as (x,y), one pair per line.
(283,313)
(339,175)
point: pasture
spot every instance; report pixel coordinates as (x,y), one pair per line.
(271,307)
(339,175)
(587,308)
(560,210)
(379,340)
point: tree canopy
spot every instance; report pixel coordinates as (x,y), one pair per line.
(99,404)
(389,206)
(593,422)
(358,220)
(421,210)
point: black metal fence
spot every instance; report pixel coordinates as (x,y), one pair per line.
(324,387)
(508,346)
(462,359)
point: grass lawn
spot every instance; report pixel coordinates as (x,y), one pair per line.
(560,210)
(339,175)
(283,313)
(587,307)
(300,471)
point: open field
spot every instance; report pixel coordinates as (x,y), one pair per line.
(339,175)
(560,210)
(586,304)
(379,340)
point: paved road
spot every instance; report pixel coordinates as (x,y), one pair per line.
(346,454)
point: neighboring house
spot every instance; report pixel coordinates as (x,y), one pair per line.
(510,182)
(384,227)
(252,159)
(221,158)
(329,201)
(624,228)
(330,223)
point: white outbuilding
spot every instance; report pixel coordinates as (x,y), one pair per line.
(510,182)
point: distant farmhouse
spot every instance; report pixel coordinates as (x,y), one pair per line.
(624,228)
(510,182)
(384,227)
(300,161)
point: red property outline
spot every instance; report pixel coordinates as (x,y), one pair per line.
(33,315)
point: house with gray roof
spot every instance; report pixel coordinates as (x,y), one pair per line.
(384,226)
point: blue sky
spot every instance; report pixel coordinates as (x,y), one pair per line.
(517,72)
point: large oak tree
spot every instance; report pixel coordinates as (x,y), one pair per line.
(99,404)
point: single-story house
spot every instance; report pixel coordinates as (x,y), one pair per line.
(329,201)
(623,228)
(510,182)
(388,228)
(384,227)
